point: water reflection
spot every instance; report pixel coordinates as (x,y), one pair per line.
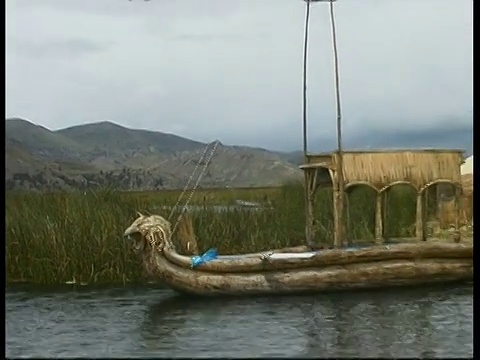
(378,325)
(368,324)
(217,327)
(431,322)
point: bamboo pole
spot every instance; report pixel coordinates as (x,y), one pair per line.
(385,212)
(379,238)
(307,197)
(348,219)
(458,192)
(309,193)
(309,206)
(339,168)
(420,218)
(305,57)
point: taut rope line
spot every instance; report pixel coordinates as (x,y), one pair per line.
(189,181)
(209,159)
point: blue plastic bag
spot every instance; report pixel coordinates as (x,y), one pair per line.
(209,255)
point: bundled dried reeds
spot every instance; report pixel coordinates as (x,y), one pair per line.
(418,167)
(184,238)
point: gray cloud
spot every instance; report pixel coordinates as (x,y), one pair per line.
(232,70)
(64,48)
(210,37)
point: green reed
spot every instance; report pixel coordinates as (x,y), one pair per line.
(60,237)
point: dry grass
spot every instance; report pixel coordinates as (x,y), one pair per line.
(184,237)
(56,238)
(446,211)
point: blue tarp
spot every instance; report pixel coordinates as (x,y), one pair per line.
(209,255)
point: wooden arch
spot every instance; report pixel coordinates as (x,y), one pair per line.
(380,170)
(360,183)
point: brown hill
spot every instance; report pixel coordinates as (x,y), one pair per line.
(110,155)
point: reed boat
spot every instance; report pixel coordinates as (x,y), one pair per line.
(294,270)
(306,269)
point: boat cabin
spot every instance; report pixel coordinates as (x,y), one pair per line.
(380,170)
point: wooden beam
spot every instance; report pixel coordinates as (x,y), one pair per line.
(458,192)
(310,187)
(348,220)
(420,219)
(385,212)
(379,239)
(337,214)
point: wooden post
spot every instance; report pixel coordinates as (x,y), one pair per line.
(458,192)
(308,229)
(420,223)
(310,182)
(427,205)
(305,58)
(339,186)
(336,239)
(438,201)
(424,217)
(337,213)
(348,225)
(385,212)
(379,219)
(340,222)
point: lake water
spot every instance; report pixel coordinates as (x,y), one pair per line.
(153,322)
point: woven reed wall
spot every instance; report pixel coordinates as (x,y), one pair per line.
(418,167)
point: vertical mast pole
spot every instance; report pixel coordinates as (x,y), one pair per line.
(307,172)
(341,186)
(305,56)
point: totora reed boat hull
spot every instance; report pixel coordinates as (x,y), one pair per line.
(277,272)
(375,274)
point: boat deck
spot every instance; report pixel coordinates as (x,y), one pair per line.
(293,255)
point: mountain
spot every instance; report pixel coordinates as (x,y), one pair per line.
(107,154)
(115,138)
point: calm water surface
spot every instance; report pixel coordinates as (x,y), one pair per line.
(152,322)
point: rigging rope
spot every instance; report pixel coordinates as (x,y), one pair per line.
(189,181)
(209,159)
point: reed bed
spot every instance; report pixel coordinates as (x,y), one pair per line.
(77,237)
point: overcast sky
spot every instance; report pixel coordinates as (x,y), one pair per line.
(232,70)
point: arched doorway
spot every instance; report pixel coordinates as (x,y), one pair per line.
(399,210)
(444,206)
(319,211)
(360,209)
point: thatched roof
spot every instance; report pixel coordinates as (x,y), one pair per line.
(381,168)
